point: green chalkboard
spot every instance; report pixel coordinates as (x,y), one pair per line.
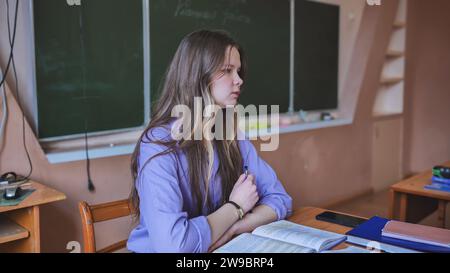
(90,57)
(316,56)
(261,27)
(89,66)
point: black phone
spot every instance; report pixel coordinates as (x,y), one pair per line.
(340,219)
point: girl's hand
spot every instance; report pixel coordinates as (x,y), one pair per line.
(244,193)
(226,237)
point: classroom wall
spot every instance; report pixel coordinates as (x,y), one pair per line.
(60,221)
(22,48)
(317,167)
(427,108)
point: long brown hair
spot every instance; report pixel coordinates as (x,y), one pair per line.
(197,60)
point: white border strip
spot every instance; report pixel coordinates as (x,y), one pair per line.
(62,157)
(302,127)
(146,56)
(34,111)
(291,61)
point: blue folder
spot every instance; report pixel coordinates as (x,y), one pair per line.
(437,187)
(440,180)
(372,228)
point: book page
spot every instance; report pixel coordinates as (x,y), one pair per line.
(300,235)
(249,243)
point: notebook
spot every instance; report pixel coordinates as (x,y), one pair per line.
(283,237)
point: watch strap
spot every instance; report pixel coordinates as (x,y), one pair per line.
(240,211)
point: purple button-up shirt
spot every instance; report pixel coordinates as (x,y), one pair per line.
(168,221)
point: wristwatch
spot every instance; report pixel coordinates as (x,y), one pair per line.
(240,211)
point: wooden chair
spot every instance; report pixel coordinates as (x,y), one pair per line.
(91,214)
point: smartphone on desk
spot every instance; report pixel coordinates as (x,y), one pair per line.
(340,219)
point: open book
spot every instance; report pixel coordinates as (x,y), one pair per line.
(283,236)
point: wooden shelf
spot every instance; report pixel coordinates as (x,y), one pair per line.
(394,53)
(399,24)
(391,80)
(10,231)
(388,103)
(378,116)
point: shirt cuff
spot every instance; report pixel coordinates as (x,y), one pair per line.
(204,232)
(277,206)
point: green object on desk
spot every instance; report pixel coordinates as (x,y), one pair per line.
(15,202)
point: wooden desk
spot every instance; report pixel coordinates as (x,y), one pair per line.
(400,191)
(19,225)
(307,216)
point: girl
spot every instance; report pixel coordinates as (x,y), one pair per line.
(194,195)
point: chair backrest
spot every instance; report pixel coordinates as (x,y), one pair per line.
(91,214)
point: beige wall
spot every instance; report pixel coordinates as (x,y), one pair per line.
(317,167)
(22,49)
(427,104)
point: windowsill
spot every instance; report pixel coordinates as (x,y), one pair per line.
(68,156)
(299,127)
(114,144)
(126,147)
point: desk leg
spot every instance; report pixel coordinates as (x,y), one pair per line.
(403,206)
(392,200)
(441,213)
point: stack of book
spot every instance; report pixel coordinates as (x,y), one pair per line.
(399,237)
(427,235)
(440,180)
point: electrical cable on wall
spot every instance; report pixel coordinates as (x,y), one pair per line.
(19,101)
(12,38)
(4,110)
(12,45)
(91,186)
